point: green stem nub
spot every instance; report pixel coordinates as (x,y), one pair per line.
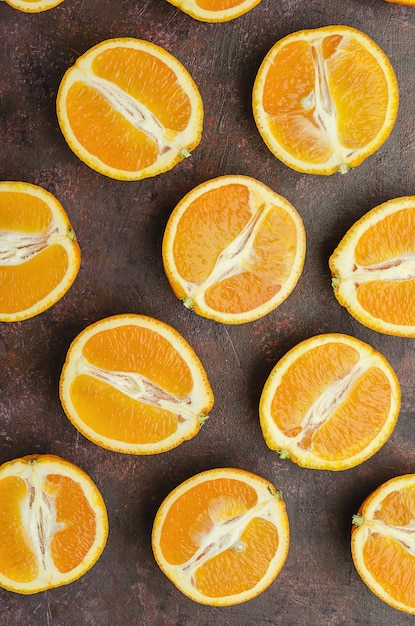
(185,153)
(284,454)
(344,168)
(358,520)
(188,302)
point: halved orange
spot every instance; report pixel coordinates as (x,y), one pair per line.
(33,6)
(373,268)
(383,542)
(129,109)
(408,2)
(222,536)
(53,523)
(233,249)
(39,254)
(330,403)
(215,10)
(133,384)
(325,99)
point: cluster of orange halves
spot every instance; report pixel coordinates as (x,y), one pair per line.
(233,251)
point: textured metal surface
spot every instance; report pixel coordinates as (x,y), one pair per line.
(119,227)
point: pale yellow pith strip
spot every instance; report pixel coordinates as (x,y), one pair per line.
(140,388)
(396,269)
(405,535)
(18,247)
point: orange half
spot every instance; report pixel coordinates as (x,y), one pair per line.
(373,268)
(33,6)
(325,99)
(222,536)
(39,254)
(233,249)
(129,109)
(383,542)
(330,403)
(53,523)
(215,10)
(133,384)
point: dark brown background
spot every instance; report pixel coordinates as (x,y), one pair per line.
(119,227)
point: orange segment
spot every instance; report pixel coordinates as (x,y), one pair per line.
(233,250)
(373,268)
(53,526)
(132,384)
(33,6)
(383,542)
(129,109)
(325,99)
(215,10)
(330,403)
(39,255)
(222,536)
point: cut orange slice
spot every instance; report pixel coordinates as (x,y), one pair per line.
(407,2)
(222,536)
(330,403)
(33,6)
(325,99)
(215,10)
(39,254)
(53,523)
(129,109)
(133,384)
(373,268)
(233,249)
(383,542)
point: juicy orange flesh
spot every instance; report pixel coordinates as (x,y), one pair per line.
(389,301)
(218,5)
(148,80)
(389,238)
(210,224)
(17,558)
(131,348)
(233,571)
(24,285)
(357,90)
(23,212)
(357,419)
(72,542)
(391,564)
(195,511)
(105,133)
(114,415)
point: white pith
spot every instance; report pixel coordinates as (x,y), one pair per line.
(225,534)
(38,518)
(300,446)
(18,247)
(189,410)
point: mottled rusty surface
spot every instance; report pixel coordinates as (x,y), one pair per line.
(120,227)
